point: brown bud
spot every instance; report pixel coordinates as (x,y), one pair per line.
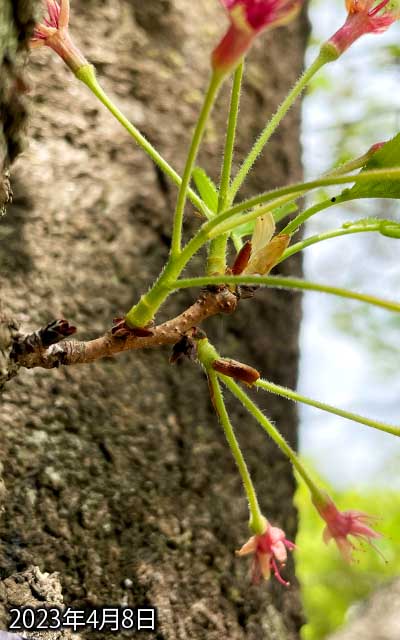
(242,259)
(55,332)
(185,348)
(236,370)
(121,330)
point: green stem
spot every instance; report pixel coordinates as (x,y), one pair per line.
(297,397)
(212,228)
(257,521)
(223,225)
(352,165)
(272,125)
(320,237)
(347,167)
(282,195)
(308,213)
(214,85)
(217,251)
(273,433)
(87,75)
(281,282)
(142,313)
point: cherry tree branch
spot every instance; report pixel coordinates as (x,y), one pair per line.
(32,351)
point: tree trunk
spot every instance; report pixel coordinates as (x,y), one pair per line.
(117,473)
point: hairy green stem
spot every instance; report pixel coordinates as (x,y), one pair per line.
(257,521)
(328,235)
(217,251)
(281,282)
(297,397)
(282,195)
(213,87)
(142,313)
(87,75)
(273,433)
(354,163)
(272,125)
(308,213)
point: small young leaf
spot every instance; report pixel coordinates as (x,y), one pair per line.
(206,188)
(265,259)
(387,157)
(264,229)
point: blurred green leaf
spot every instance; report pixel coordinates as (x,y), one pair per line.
(388,157)
(394,50)
(206,188)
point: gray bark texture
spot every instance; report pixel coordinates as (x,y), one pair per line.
(116,475)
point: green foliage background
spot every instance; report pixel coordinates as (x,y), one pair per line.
(330,586)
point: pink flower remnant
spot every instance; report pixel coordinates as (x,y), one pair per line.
(364,16)
(341,524)
(53,33)
(270,554)
(247,19)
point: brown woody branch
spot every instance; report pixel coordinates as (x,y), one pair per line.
(209,303)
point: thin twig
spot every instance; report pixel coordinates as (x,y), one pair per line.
(72,352)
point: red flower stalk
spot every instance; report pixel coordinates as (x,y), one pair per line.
(53,33)
(248,18)
(364,16)
(341,524)
(270,554)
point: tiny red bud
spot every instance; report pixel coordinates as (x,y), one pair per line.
(375,147)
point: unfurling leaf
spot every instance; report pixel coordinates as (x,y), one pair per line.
(263,231)
(262,262)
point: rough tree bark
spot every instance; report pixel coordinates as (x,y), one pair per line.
(116,474)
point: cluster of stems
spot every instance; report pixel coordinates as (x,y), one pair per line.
(222,223)
(220,227)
